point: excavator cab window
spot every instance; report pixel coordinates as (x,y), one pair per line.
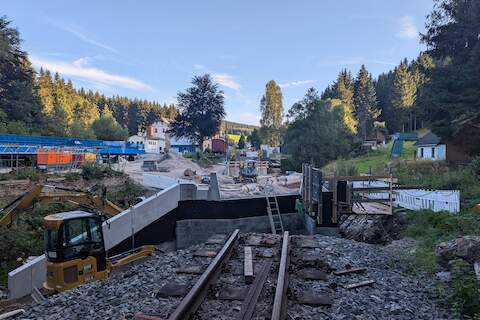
(76,238)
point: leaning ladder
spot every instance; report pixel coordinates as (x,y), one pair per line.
(274,214)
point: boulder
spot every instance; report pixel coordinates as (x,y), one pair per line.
(466,248)
(376,229)
(189,172)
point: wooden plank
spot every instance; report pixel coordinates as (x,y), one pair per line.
(248,265)
(334,206)
(359,284)
(347,271)
(254,291)
(15,182)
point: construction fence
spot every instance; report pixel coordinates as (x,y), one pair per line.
(417,199)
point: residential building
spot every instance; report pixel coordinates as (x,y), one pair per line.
(155,139)
(431,147)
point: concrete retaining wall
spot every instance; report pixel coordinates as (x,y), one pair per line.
(194,231)
(116,229)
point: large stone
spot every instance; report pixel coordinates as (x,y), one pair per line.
(372,228)
(466,248)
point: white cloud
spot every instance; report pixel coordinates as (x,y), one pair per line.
(408,29)
(226,80)
(78,69)
(76,31)
(82,62)
(198,66)
(296,83)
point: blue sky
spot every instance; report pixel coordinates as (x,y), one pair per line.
(152,49)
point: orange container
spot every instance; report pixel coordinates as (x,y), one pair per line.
(53,157)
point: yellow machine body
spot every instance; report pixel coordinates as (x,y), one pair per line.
(66,275)
(75,251)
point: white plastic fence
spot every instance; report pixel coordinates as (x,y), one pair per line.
(417,199)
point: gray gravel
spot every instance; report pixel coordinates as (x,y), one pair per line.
(395,295)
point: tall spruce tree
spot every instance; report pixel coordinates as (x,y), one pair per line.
(365,100)
(404,95)
(271,107)
(18,98)
(384,91)
(450,100)
(344,91)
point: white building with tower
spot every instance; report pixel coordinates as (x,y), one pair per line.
(155,139)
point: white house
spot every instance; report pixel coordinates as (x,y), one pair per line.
(155,139)
(430,147)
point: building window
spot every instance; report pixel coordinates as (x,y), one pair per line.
(421,152)
(433,152)
(156,130)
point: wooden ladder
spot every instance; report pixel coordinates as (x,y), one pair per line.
(274,214)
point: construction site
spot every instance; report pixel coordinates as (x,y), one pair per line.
(233,240)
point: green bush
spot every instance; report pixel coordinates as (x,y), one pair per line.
(93,170)
(22,173)
(429,229)
(345,168)
(127,195)
(465,296)
(475,167)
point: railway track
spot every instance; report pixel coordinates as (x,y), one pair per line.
(225,290)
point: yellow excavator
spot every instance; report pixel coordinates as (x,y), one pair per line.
(75,250)
(56,195)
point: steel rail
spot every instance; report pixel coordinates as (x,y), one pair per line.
(280,301)
(195,296)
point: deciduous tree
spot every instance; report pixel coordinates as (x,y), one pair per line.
(201,109)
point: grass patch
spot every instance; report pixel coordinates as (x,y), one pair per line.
(462,295)
(376,161)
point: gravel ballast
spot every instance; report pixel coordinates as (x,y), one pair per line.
(394,295)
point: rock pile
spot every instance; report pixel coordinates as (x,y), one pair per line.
(378,229)
(394,295)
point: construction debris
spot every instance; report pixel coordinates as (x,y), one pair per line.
(359,284)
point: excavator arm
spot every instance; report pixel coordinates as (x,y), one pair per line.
(75,196)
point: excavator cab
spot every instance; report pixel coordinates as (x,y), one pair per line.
(74,249)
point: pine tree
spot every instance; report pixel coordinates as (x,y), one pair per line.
(365,100)
(344,88)
(271,107)
(241,142)
(384,90)
(18,98)
(255,139)
(404,95)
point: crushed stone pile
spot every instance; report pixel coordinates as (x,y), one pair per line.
(394,295)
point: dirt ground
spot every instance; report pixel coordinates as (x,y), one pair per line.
(175,166)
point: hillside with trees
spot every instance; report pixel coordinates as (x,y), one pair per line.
(439,90)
